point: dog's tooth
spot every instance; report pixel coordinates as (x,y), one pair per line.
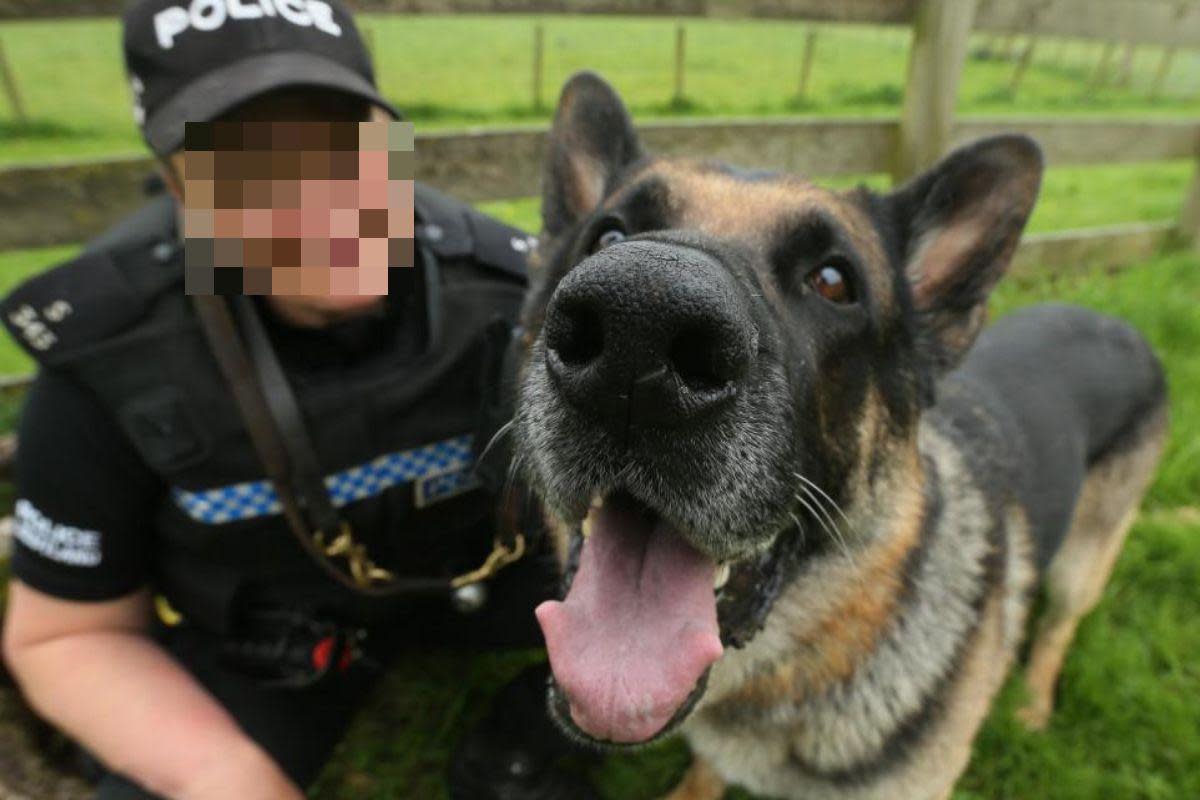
(586,526)
(722,576)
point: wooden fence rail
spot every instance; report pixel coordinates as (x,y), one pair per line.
(64,203)
(44,205)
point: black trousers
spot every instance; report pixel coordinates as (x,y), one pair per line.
(300,727)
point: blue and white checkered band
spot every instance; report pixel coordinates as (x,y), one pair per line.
(439,470)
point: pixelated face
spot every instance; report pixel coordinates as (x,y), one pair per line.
(319,209)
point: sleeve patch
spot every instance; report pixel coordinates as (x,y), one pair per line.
(65,544)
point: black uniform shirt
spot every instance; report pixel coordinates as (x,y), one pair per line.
(85,498)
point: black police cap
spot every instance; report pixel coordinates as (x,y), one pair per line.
(193,60)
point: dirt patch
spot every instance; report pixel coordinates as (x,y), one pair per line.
(25,771)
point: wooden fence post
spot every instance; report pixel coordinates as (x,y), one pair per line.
(1023,65)
(539,46)
(1125,76)
(1164,69)
(941,29)
(1100,75)
(10,86)
(680,59)
(806,63)
(1189,217)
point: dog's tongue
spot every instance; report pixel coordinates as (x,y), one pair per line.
(637,629)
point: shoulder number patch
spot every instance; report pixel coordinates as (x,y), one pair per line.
(33,329)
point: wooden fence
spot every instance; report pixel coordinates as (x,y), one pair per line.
(505,163)
(41,205)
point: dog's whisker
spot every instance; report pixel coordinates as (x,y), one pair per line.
(834,529)
(836,506)
(510,479)
(857,577)
(504,430)
(515,464)
(799,528)
(833,534)
(829,523)
(816,515)
(824,494)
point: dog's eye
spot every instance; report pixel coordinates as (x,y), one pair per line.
(829,280)
(606,238)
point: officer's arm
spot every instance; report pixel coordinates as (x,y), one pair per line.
(90,669)
(74,634)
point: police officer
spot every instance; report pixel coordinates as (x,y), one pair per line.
(174,606)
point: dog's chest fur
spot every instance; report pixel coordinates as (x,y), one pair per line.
(874,669)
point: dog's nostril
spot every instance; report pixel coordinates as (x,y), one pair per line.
(578,336)
(696,356)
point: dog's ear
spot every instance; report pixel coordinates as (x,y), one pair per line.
(591,141)
(959,224)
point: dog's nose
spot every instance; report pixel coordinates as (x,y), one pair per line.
(649,333)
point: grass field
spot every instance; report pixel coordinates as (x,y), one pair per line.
(454,71)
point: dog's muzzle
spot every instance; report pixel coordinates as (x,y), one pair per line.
(649,333)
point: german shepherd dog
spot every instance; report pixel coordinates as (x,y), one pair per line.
(801,503)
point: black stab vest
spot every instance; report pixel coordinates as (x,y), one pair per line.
(396,432)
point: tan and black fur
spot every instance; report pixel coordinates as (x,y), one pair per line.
(888,493)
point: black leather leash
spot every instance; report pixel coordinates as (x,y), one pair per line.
(276,426)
